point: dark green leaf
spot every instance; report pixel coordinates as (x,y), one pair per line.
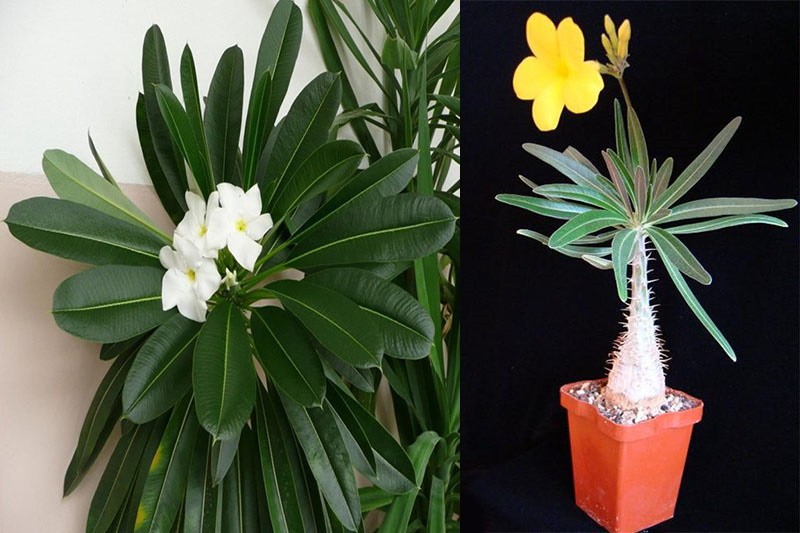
(304,129)
(396,228)
(396,54)
(114,349)
(223,452)
(169,470)
(436,506)
(200,506)
(336,322)
(101,165)
(161,373)
(223,376)
(80,233)
(287,355)
(74,181)
(223,116)
(110,303)
(191,99)
(327,457)
(100,420)
(406,327)
(329,165)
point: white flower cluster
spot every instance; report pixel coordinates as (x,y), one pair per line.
(232,218)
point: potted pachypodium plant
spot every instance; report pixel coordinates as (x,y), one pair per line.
(206,444)
(629,433)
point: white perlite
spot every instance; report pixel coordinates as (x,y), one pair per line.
(636,379)
(592,393)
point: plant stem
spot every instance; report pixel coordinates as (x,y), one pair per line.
(625,92)
(636,379)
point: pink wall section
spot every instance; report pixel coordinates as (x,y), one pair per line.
(47,378)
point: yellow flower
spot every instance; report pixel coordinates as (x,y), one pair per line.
(624,39)
(556,75)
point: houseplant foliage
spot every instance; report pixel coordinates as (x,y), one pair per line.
(618,216)
(234,414)
(415,73)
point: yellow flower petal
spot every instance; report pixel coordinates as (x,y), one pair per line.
(570,42)
(624,38)
(532,76)
(548,106)
(582,87)
(541,34)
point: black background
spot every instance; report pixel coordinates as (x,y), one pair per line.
(537,319)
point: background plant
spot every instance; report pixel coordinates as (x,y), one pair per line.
(417,78)
(616,217)
(205,443)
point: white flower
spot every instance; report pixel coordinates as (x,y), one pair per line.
(230,279)
(242,221)
(196,225)
(190,280)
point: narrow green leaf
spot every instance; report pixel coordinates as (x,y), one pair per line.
(394,472)
(548,208)
(166,189)
(725,222)
(661,180)
(622,179)
(287,496)
(696,308)
(623,148)
(258,126)
(223,452)
(200,505)
(223,376)
(580,194)
(304,129)
(697,168)
(288,356)
(74,181)
(598,262)
(576,172)
(191,99)
(640,186)
(397,54)
(573,152)
(436,507)
(714,207)
(100,420)
(115,349)
(169,471)
(101,165)
(668,245)
(638,146)
(399,513)
(80,233)
(117,477)
(374,498)
(584,224)
(238,490)
(621,254)
(161,373)
(337,368)
(386,177)
(223,117)
(355,440)
(330,164)
(334,320)
(397,228)
(110,303)
(405,326)
(181,130)
(328,460)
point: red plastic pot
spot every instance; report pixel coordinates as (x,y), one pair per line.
(627,477)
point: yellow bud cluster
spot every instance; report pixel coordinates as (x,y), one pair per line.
(615,43)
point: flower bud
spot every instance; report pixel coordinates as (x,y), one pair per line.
(610,30)
(624,38)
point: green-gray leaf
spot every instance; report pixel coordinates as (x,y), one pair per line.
(714,207)
(548,208)
(80,233)
(577,193)
(584,224)
(726,222)
(621,253)
(668,245)
(110,303)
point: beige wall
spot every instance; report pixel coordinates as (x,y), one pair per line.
(47,379)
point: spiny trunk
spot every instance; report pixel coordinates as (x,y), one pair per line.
(636,379)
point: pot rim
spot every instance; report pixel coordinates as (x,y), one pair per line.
(626,433)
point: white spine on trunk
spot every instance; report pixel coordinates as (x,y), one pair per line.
(636,379)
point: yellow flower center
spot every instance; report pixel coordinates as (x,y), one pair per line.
(203,231)
(191,274)
(241,225)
